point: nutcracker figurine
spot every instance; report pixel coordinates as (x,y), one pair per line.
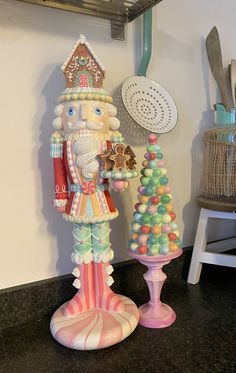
(89,154)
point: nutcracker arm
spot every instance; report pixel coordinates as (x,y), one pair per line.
(60,175)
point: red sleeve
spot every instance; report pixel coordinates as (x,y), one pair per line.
(60,179)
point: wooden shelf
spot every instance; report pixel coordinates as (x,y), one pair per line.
(118,12)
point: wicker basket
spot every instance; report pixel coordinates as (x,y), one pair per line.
(219,174)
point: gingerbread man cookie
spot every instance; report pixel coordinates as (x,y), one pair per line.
(120,158)
(107,161)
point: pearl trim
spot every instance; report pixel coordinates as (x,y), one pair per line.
(103,257)
(119,175)
(79,94)
(85,258)
(90,219)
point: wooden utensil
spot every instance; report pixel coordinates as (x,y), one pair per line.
(232,75)
(215,61)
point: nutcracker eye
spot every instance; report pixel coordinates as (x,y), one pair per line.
(71,111)
(98,111)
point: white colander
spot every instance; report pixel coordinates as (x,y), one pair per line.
(149,104)
(146,101)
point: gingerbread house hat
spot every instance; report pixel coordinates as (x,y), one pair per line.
(84,74)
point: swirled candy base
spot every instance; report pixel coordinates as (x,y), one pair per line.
(96,328)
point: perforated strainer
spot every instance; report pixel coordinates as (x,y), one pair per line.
(147,102)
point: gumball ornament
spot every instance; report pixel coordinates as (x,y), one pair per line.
(152,156)
(157,241)
(154,207)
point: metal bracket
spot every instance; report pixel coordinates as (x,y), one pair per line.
(118,30)
(117,26)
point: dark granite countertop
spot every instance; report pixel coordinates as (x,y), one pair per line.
(203,338)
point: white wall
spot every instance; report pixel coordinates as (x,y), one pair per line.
(34,42)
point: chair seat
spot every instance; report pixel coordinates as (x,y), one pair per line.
(218,208)
(219,204)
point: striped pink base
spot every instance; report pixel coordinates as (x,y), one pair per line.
(95,328)
(94,292)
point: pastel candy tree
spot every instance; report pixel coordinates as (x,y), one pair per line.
(154,236)
(154,230)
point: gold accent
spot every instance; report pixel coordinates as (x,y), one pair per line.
(82,96)
(75,96)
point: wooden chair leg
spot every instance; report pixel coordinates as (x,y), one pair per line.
(199,246)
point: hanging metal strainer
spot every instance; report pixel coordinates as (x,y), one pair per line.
(147,102)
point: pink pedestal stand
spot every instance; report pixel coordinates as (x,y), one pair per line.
(155,314)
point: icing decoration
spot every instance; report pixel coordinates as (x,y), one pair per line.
(109,269)
(76,272)
(82,148)
(109,281)
(82,67)
(84,75)
(60,202)
(77,283)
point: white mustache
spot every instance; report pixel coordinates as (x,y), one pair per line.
(94,126)
(86,124)
(78,125)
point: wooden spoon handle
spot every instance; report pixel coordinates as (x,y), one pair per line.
(215,61)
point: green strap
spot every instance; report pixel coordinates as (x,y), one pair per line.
(147,43)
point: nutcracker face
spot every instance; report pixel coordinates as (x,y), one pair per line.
(90,115)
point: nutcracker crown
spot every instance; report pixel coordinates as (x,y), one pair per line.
(84,74)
